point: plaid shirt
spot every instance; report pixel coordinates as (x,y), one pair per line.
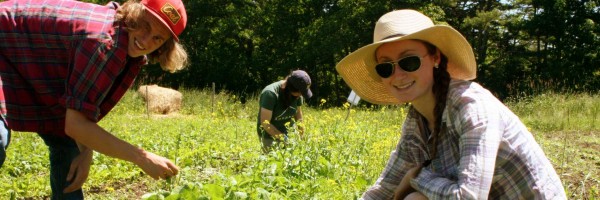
(484,151)
(60,54)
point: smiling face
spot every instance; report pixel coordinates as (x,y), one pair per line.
(149,36)
(416,86)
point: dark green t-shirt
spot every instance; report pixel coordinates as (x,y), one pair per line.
(269,99)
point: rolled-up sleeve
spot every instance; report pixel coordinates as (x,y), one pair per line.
(396,168)
(92,75)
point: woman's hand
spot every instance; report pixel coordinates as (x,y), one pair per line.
(404,188)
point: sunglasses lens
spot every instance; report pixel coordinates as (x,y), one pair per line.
(384,69)
(410,64)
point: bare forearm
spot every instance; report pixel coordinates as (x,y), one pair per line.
(299,121)
(83,149)
(89,134)
(271,130)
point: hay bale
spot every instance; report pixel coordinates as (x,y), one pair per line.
(159,99)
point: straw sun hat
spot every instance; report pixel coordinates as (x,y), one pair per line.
(358,68)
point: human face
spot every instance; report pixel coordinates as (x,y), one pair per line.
(296,94)
(149,36)
(412,86)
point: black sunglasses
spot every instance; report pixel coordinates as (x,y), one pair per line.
(408,64)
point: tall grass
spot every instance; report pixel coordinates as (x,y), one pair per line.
(566,127)
(214,141)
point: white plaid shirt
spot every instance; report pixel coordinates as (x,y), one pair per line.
(484,152)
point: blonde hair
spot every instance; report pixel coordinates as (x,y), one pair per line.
(171,55)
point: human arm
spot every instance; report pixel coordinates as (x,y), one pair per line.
(401,160)
(478,125)
(265,122)
(404,188)
(299,121)
(89,134)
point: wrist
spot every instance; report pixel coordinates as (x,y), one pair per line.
(139,156)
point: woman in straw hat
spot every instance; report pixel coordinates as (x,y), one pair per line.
(458,140)
(65,64)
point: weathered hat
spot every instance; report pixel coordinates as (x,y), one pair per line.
(170,12)
(358,68)
(300,80)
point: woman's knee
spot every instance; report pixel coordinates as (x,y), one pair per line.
(415,196)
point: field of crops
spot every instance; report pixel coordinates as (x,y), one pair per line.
(213,140)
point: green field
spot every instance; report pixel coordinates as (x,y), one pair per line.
(215,144)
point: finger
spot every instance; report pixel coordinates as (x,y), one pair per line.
(78,181)
(72,169)
(174,169)
(169,173)
(166,175)
(73,186)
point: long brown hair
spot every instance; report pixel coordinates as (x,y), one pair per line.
(171,55)
(441,83)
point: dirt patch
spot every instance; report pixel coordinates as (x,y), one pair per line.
(131,190)
(576,158)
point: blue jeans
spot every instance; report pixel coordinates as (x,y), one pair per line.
(4,141)
(62,152)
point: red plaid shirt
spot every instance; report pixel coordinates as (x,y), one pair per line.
(59,54)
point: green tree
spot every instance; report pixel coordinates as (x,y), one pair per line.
(521,46)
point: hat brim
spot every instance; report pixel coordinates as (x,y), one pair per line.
(358,68)
(307,94)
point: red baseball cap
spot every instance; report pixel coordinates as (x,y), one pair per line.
(170,12)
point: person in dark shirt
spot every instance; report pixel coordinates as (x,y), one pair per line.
(280,107)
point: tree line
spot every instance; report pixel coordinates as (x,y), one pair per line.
(522,47)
